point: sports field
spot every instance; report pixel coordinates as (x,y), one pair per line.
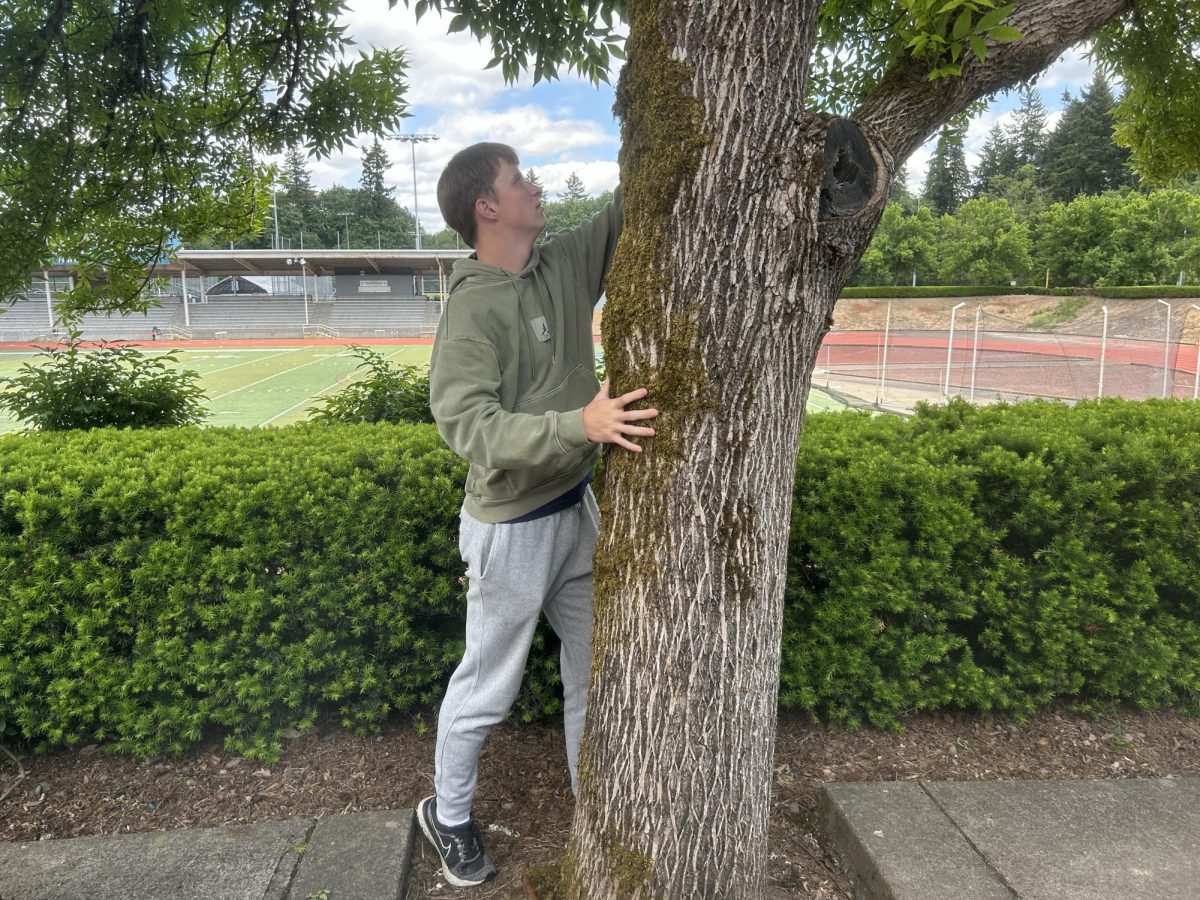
(251,385)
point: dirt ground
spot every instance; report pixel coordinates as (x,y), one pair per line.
(524,803)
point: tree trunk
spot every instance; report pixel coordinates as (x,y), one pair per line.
(737,241)
(745,214)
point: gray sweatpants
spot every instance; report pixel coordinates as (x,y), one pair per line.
(515,572)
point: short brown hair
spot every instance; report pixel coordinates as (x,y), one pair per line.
(471,174)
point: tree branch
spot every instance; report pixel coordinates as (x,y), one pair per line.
(905,108)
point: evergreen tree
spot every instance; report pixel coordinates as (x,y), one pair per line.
(1027,134)
(374,168)
(575,189)
(948,180)
(1081,155)
(297,203)
(899,192)
(532,178)
(998,159)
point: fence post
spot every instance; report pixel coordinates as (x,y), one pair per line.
(1166,348)
(975,352)
(950,348)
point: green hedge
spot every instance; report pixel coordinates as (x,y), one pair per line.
(1146,292)
(156,584)
(1163,291)
(950,290)
(995,558)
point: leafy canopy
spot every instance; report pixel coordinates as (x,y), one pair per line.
(1154,50)
(127,128)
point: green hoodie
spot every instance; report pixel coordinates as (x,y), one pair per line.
(514,365)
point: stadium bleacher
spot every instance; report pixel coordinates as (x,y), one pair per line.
(234,318)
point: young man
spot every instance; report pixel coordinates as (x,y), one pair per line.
(514,391)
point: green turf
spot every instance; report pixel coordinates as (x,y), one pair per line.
(281,385)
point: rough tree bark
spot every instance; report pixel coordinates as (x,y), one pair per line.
(745,215)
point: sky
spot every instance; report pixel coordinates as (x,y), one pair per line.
(559,127)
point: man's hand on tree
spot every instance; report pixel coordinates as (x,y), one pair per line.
(607,421)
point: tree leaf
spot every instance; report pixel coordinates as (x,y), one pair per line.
(1005,33)
(962,25)
(993,18)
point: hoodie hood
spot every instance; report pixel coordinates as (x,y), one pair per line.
(481,274)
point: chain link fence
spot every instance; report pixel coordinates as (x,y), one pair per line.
(1134,349)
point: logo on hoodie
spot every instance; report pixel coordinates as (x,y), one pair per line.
(540,329)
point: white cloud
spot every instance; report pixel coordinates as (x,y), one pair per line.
(1072,71)
(453,95)
(597,177)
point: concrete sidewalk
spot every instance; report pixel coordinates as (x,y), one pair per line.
(1135,839)
(1033,840)
(362,856)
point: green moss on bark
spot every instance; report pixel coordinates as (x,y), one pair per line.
(662,144)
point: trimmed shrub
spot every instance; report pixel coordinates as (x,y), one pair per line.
(888,292)
(1147,292)
(995,558)
(156,584)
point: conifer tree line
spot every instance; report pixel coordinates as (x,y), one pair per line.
(370,217)
(1060,205)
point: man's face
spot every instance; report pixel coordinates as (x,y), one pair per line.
(518,202)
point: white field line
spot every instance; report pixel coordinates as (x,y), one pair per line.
(248,362)
(336,384)
(269,377)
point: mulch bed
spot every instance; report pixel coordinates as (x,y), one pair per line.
(524,801)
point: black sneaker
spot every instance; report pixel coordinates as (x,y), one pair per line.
(464,862)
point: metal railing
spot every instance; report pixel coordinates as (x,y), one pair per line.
(320,331)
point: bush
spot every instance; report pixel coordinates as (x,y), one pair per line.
(933,291)
(390,393)
(1147,292)
(995,558)
(156,584)
(112,386)
(1166,292)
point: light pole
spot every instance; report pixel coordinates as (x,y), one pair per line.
(347,217)
(413,140)
(950,347)
(1166,347)
(303,281)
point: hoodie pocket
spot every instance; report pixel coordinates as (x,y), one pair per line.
(573,392)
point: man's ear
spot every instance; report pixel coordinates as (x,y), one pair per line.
(485,209)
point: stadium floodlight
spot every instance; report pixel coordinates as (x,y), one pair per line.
(950,348)
(301,262)
(1166,348)
(413,140)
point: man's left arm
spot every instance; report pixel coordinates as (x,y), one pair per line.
(590,246)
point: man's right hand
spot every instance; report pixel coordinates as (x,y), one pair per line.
(607,421)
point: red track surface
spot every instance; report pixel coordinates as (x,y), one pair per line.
(1063,366)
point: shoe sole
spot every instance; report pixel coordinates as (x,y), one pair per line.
(426,829)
